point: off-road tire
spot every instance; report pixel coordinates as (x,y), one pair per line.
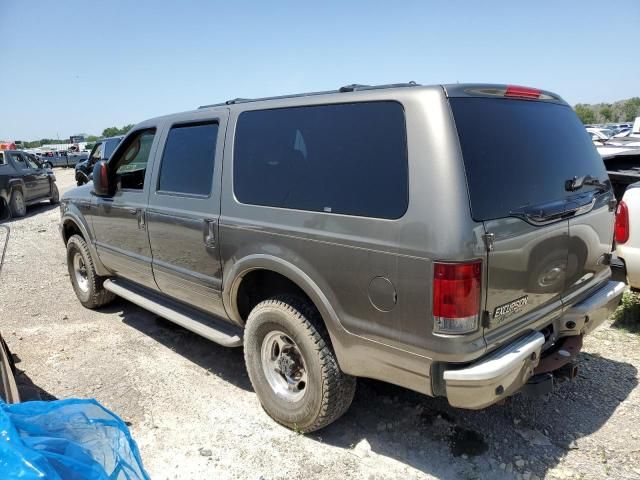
(17,205)
(328,392)
(96,296)
(55,194)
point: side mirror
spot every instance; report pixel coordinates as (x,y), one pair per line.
(101,179)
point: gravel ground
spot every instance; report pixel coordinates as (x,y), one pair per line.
(194,415)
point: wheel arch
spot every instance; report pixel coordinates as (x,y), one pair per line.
(242,270)
(72,224)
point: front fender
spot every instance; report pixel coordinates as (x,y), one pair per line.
(71,214)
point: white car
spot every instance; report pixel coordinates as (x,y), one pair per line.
(627,233)
(599,134)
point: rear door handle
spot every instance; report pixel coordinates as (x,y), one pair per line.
(132,211)
(142,224)
(210,233)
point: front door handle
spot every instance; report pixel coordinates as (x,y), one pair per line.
(210,233)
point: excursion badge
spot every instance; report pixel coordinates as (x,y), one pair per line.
(503,311)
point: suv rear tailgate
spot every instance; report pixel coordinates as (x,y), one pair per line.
(546,241)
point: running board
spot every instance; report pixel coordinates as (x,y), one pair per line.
(200,323)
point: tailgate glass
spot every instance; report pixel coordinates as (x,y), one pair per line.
(523,149)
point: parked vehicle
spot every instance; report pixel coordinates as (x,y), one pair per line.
(8,388)
(628,234)
(101,150)
(599,134)
(384,232)
(24,182)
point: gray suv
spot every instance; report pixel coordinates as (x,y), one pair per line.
(451,239)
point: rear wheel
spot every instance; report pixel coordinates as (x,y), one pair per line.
(292,366)
(55,194)
(86,282)
(17,205)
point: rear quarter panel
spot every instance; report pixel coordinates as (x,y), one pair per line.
(342,254)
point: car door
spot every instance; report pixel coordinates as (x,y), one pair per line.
(119,223)
(27,174)
(184,206)
(43,183)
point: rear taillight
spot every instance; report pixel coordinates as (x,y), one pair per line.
(622,223)
(522,92)
(456,296)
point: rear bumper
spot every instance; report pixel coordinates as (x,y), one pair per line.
(504,371)
(592,311)
(498,375)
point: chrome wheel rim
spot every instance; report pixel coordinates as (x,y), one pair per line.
(20,203)
(283,366)
(80,272)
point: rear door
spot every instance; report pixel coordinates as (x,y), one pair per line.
(544,240)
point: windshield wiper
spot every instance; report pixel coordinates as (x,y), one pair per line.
(576,183)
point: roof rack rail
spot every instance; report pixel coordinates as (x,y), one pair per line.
(355,86)
(347,88)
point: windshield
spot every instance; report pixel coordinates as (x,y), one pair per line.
(520,153)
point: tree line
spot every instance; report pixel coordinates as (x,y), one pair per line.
(621,111)
(107,132)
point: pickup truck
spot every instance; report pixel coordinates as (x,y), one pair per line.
(101,150)
(24,182)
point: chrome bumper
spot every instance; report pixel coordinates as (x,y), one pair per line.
(504,371)
(496,376)
(592,311)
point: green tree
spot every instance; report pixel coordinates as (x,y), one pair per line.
(585,113)
(113,131)
(632,109)
(606,113)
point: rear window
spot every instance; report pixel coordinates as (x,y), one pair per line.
(347,158)
(519,153)
(188,159)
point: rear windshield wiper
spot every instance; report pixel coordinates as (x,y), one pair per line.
(576,183)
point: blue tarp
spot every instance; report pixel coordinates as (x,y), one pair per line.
(66,440)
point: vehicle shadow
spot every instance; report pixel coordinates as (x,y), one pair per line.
(28,390)
(33,210)
(426,433)
(226,363)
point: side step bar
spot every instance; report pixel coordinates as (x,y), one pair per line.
(200,323)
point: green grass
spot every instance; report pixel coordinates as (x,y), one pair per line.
(627,315)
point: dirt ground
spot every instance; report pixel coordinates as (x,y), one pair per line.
(194,415)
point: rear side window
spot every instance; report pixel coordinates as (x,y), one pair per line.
(347,158)
(2,162)
(520,153)
(188,159)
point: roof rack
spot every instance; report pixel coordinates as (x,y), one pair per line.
(345,89)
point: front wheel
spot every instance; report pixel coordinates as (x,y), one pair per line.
(86,282)
(292,367)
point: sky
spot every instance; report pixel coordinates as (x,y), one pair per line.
(72,66)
